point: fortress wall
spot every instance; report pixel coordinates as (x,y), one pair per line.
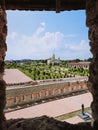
(28,94)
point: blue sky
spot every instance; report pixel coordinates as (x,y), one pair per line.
(38,35)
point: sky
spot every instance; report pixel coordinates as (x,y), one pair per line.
(40,34)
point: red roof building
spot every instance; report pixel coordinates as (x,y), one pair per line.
(79,64)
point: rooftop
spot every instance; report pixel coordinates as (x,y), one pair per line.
(79,63)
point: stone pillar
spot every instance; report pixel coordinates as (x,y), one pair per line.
(3,48)
(92,23)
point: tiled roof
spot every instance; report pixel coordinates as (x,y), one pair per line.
(79,63)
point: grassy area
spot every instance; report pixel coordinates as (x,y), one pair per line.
(69,115)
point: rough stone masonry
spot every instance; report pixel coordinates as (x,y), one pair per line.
(92,23)
(46,123)
(3,48)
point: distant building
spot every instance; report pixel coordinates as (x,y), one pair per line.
(79,64)
(53,60)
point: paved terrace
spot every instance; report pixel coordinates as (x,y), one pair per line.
(14,76)
(53,108)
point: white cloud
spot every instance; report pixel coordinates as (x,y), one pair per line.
(77,46)
(12,36)
(70,36)
(43,44)
(40,30)
(43,23)
(36,46)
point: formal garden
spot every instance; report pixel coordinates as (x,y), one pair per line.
(42,71)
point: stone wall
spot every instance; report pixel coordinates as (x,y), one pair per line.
(28,94)
(92,23)
(3,48)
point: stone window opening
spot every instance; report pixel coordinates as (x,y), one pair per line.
(92,22)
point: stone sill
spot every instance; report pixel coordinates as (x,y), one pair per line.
(45,123)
